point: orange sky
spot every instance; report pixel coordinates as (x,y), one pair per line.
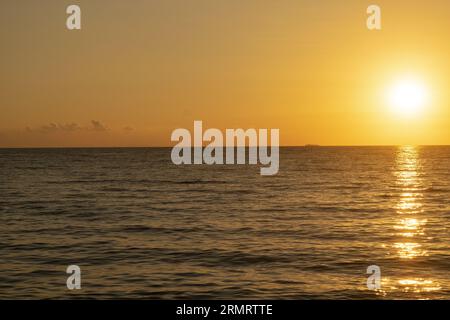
(138,70)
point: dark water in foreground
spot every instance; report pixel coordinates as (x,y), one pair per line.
(141,227)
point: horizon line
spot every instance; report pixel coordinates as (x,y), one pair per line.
(312,146)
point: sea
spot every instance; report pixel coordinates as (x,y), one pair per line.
(140,227)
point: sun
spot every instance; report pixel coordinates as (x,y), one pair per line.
(408,96)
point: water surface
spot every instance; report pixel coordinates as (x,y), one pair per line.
(141,227)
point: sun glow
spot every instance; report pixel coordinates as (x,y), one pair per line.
(407,97)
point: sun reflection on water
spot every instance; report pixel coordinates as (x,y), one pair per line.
(409,206)
(410,225)
(416,285)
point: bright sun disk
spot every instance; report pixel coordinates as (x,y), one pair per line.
(407,97)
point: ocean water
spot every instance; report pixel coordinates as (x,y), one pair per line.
(140,227)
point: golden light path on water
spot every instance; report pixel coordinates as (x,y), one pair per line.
(410,224)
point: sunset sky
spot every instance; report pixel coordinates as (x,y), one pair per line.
(140,69)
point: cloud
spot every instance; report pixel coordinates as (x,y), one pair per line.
(68,127)
(53,127)
(97,126)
